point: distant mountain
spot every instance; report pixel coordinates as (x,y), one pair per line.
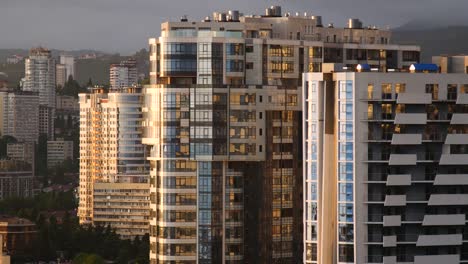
(434,38)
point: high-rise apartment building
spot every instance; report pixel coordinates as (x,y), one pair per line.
(385,171)
(40,78)
(19,115)
(60,75)
(223,120)
(123,74)
(114,177)
(69,62)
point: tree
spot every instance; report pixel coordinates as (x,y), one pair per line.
(90,83)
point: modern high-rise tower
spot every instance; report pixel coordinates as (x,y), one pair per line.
(40,78)
(69,62)
(385,171)
(114,177)
(222,120)
(123,74)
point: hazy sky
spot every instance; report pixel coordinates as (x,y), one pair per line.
(125,25)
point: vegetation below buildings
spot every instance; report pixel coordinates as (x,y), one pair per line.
(61,237)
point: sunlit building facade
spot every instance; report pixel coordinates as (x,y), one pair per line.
(385,167)
(222,121)
(114,179)
(40,78)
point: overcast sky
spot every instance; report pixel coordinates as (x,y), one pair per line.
(125,25)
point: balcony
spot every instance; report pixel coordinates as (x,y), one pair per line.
(378,117)
(375,218)
(439,117)
(374,259)
(406,139)
(374,238)
(376,198)
(407,238)
(411,119)
(378,156)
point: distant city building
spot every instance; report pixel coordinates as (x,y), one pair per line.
(69,62)
(19,115)
(15,59)
(58,151)
(113,164)
(67,103)
(88,56)
(123,75)
(385,166)
(60,75)
(16,179)
(222,120)
(18,235)
(451,64)
(23,151)
(40,78)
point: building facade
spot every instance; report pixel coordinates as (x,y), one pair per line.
(58,151)
(69,62)
(114,177)
(222,121)
(385,166)
(23,151)
(19,115)
(18,235)
(124,74)
(16,179)
(60,75)
(40,78)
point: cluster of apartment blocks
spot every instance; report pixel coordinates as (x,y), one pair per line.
(222,123)
(222,118)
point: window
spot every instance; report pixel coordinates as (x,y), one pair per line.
(400,88)
(346,253)
(345,212)
(260,99)
(345,171)
(260,115)
(434,90)
(249,49)
(386,91)
(249,65)
(346,232)
(452,91)
(260,148)
(345,192)
(370,91)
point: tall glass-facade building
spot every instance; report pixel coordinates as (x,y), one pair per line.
(222,121)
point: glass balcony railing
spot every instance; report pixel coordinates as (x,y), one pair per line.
(201,33)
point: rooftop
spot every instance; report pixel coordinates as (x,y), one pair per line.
(13,220)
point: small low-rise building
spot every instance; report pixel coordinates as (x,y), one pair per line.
(23,151)
(16,179)
(18,235)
